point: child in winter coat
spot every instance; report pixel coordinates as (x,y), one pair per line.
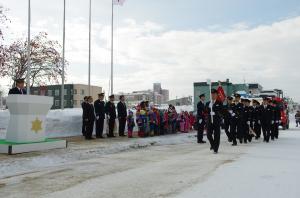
(192,120)
(142,123)
(182,122)
(187,122)
(152,122)
(130,124)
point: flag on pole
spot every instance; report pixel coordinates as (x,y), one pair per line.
(118,2)
(221,93)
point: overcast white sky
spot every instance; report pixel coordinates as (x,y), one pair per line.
(175,42)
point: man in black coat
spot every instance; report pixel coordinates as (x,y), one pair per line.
(266,119)
(19,89)
(214,121)
(256,117)
(84,114)
(236,127)
(122,115)
(90,119)
(99,106)
(201,119)
(227,117)
(276,119)
(110,110)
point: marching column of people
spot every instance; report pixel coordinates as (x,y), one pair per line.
(241,120)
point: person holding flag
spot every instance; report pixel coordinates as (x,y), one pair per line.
(214,109)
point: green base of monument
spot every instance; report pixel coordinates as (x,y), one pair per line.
(24,147)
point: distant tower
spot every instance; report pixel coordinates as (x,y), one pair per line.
(157,88)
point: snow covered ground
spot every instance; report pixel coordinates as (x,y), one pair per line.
(166,166)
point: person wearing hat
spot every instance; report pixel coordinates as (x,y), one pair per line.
(99,106)
(276,119)
(227,116)
(256,117)
(215,110)
(200,119)
(247,120)
(266,119)
(236,128)
(122,115)
(110,110)
(19,88)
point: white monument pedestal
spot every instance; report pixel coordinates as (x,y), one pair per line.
(26,129)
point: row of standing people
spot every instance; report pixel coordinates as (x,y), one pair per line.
(240,120)
(99,111)
(149,120)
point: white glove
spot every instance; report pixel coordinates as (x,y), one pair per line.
(248,122)
(272,122)
(97,117)
(279,121)
(233,114)
(253,123)
(212,113)
(258,122)
(108,117)
(200,121)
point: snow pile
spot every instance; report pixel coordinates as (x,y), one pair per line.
(63,123)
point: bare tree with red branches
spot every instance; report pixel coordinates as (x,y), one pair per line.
(46,60)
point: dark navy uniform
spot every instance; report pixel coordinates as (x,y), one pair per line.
(256,120)
(99,106)
(122,116)
(228,109)
(110,110)
(266,121)
(90,120)
(214,128)
(84,117)
(237,128)
(200,121)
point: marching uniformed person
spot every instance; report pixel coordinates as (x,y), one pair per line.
(201,119)
(276,120)
(19,88)
(266,119)
(256,117)
(228,117)
(214,121)
(236,128)
(99,106)
(110,110)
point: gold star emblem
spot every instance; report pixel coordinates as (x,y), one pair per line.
(36,125)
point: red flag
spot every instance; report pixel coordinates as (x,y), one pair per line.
(221,94)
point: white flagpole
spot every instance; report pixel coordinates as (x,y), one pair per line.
(112,50)
(28,50)
(63,55)
(90,28)
(211,102)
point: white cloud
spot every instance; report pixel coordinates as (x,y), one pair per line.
(147,53)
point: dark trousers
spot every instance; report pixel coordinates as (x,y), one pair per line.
(111,125)
(247,136)
(236,130)
(226,128)
(213,135)
(99,127)
(257,129)
(200,131)
(122,124)
(266,128)
(83,127)
(89,129)
(275,130)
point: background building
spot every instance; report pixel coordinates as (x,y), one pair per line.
(73,94)
(229,89)
(181,101)
(156,96)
